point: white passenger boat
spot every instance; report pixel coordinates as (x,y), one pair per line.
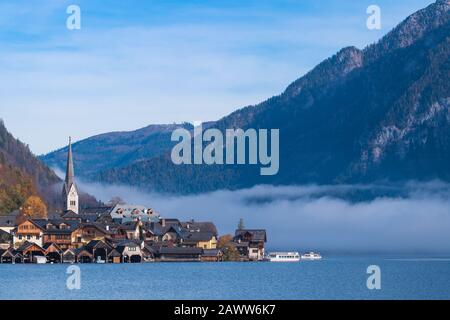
(311,256)
(283,257)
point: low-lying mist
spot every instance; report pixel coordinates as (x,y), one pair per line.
(409,218)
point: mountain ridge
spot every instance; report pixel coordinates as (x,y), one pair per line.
(360,115)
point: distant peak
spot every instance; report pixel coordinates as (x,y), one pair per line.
(338,66)
(412,29)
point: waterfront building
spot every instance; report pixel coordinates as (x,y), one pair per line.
(212,255)
(254,240)
(31,230)
(87,232)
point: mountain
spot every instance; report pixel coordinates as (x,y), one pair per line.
(381,113)
(115,149)
(15,186)
(22,174)
(16,154)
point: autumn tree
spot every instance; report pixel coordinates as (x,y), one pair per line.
(33,208)
(224,240)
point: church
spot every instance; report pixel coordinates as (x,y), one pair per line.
(70,191)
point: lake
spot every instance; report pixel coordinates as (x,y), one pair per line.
(330,278)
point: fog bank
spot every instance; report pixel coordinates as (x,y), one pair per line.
(315,217)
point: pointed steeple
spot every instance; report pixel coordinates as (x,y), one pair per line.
(70,192)
(70,174)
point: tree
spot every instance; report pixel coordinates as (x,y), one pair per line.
(33,208)
(231,253)
(115,201)
(241,225)
(224,240)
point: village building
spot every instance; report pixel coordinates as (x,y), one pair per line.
(53,253)
(254,240)
(31,251)
(69,256)
(59,231)
(115,234)
(123,213)
(152,232)
(8,222)
(99,250)
(170,254)
(212,255)
(6,239)
(31,230)
(204,240)
(131,230)
(130,251)
(87,232)
(10,256)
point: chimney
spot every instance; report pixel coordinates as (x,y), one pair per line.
(163,222)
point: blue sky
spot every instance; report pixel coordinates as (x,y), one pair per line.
(134,63)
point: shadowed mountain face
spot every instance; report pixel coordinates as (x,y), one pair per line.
(17,155)
(382,113)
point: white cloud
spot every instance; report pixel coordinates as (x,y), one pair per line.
(316,217)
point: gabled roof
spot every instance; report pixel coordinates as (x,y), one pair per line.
(195,226)
(98,226)
(27,245)
(154,228)
(180,250)
(8,221)
(11,253)
(212,252)
(255,234)
(130,226)
(69,251)
(95,244)
(97,210)
(51,244)
(114,253)
(83,251)
(69,214)
(198,236)
(40,223)
(5,237)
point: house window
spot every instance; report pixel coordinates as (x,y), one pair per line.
(28,237)
(20,237)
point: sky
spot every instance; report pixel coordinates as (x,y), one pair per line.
(135,63)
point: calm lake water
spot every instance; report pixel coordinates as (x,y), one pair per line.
(330,278)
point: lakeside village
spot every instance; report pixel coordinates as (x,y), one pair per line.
(119,233)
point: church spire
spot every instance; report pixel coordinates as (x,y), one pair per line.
(70,174)
(70,192)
